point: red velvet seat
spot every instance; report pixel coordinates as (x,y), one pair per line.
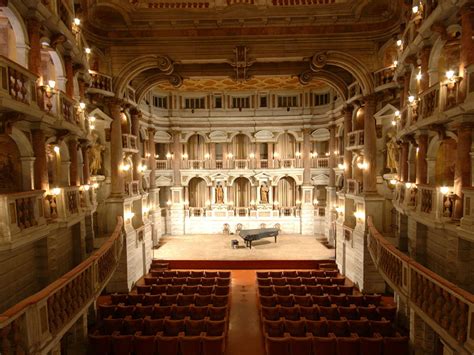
(224,274)
(123,311)
(168,300)
(173,289)
(222,281)
(323,300)
(360,327)
(134,299)
(262,274)
(122,344)
(119,298)
(152,326)
(292,313)
(308,281)
(304,273)
(217,313)
(325,345)
(213,274)
(160,312)
(179,312)
(220,301)
(156,273)
(185,300)
(314,290)
(194,327)
(194,281)
(158,289)
(295,328)
(100,344)
(131,326)
(111,325)
(172,327)
(189,290)
(264,282)
(106,310)
(169,273)
(150,280)
(338,300)
(285,301)
(330,289)
(197,273)
(301,345)
(395,346)
(389,312)
(357,300)
(277,345)
(215,327)
(142,289)
(182,273)
(164,281)
(221,290)
(270,313)
(144,344)
(340,328)
(323,281)
(268,301)
(208,281)
(151,300)
(330,313)
(368,312)
(374,299)
(319,328)
(190,345)
(278,281)
(372,346)
(338,280)
(275,274)
(305,301)
(298,290)
(348,312)
(383,327)
(179,281)
(265,290)
(282,290)
(196,312)
(289,273)
(348,345)
(213,345)
(311,312)
(273,328)
(331,273)
(318,273)
(295,281)
(167,345)
(347,290)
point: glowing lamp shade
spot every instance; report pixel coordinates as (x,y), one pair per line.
(411,99)
(415,9)
(393,181)
(408,185)
(55,191)
(342,166)
(95,185)
(207,156)
(450,74)
(359,215)
(87,50)
(129,215)
(56,149)
(82,105)
(51,84)
(399,43)
(444,189)
(77,21)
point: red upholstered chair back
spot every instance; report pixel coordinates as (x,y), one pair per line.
(167,345)
(371,346)
(213,345)
(122,344)
(395,345)
(144,345)
(277,346)
(301,345)
(190,345)
(324,345)
(348,345)
(318,328)
(100,344)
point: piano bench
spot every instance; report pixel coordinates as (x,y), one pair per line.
(234,243)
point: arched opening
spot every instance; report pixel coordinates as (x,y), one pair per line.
(126,124)
(286,191)
(241,192)
(241,146)
(7,38)
(13,37)
(196,147)
(286,146)
(10,165)
(197,193)
(358,120)
(444,169)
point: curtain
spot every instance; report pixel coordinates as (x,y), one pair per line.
(240,146)
(197,192)
(241,192)
(196,147)
(286,192)
(286,146)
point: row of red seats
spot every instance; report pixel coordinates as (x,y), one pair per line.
(332,312)
(117,344)
(190,281)
(331,345)
(299,273)
(185,290)
(321,300)
(166,327)
(189,273)
(283,281)
(304,290)
(169,300)
(323,328)
(159,312)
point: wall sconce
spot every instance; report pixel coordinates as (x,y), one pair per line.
(314,155)
(252,155)
(411,99)
(168,203)
(157,156)
(91,118)
(184,156)
(230,155)
(252,203)
(208,203)
(399,43)
(409,185)
(359,215)
(298,202)
(395,63)
(315,201)
(129,215)
(419,75)
(393,181)
(147,155)
(168,156)
(82,105)
(394,123)
(276,154)
(342,166)
(51,84)
(55,191)
(444,190)
(231,203)
(125,167)
(142,168)
(450,74)
(186,202)
(298,155)
(87,50)
(327,154)
(362,165)
(145,210)
(95,185)
(56,149)
(77,21)
(207,156)
(415,9)
(336,152)
(86,187)
(339,210)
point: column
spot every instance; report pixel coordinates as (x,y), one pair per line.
(68,65)
(176,158)
(73,172)
(135,130)
(306,157)
(404,161)
(467,43)
(224,155)
(406,88)
(462,169)
(151,159)
(40,165)
(332,156)
(85,162)
(348,110)
(425,78)
(212,156)
(421,164)
(116,148)
(34,55)
(270,155)
(370,149)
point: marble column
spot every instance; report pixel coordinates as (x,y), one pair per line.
(40,165)
(34,54)
(151,159)
(421,164)
(116,148)
(462,169)
(73,171)
(306,157)
(85,163)
(348,110)
(404,161)
(370,148)
(467,44)
(270,155)
(135,130)
(176,158)
(424,59)
(212,155)
(332,156)
(68,66)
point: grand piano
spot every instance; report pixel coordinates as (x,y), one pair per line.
(250,235)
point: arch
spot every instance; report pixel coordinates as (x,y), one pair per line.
(286,146)
(287,191)
(154,80)
(10,165)
(196,148)
(433,61)
(347,62)
(292,133)
(21,33)
(233,178)
(59,69)
(137,66)
(22,142)
(241,146)
(241,191)
(326,77)
(233,134)
(198,192)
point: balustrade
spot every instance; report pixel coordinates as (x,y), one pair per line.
(446,306)
(17,82)
(356,140)
(354,187)
(100,82)
(429,102)
(384,76)
(163,165)
(129,143)
(241,164)
(354,90)
(320,162)
(130,94)
(58,304)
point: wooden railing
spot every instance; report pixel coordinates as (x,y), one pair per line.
(447,309)
(17,82)
(35,324)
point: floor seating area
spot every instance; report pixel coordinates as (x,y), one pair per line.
(317,312)
(171,313)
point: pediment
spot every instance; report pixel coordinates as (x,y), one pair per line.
(320,135)
(163,181)
(162,137)
(218,136)
(264,135)
(320,179)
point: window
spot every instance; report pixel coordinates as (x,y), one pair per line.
(192,103)
(160,101)
(241,102)
(287,101)
(263,101)
(217,101)
(321,99)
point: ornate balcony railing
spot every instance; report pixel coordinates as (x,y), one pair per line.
(132,188)
(241,163)
(384,76)
(129,143)
(163,164)
(289,163)
(356,140)
(447,309)
(193,164)
(263,163)
(35,324)
(20,211)
(17,82)
(429,102)
(354,187)
(100,83)
(320,162)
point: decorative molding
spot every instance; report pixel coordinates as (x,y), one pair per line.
(320,135)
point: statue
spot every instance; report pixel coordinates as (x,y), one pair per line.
(95,157)
(219,194)
(392,152)
(264,193)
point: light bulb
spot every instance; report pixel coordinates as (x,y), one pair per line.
(95,185)
(394,123)
(395,63)
(51,84)
(408,185)
(86,187)
(87,50)
(91,118)
(82,105)
(415,9)
(77,21)
(411,99)
(91,126)
(56,149)
(444,189)
(393,181)
(449,74)
(399,43)
(207,156)
(55,191)
(397,113)
(419,76)
(252,156)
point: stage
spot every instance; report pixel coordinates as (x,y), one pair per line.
(215,251)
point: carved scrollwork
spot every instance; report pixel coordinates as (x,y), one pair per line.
(319,61)
(165,64)
(176,80)
(305,77)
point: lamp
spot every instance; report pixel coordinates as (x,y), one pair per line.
(362,165)
(77,21)
(409,185)
(419,75)
(393,181)
(298,154)
(55,191)
(51,84)
(444,190)
(125,167)
(252,156)
(129,215)
(342,166)
(56,149)
(82,105)
(95,185)
(399,43)
(87,50)
(315,201)
(411,99)
(184,156)
(168,155)
(360,215)
(207,156)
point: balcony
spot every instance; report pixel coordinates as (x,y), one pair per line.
(320,163)
(16,82)
(132,188)
(129,143)
(100,84)
(429,102)
(354,187)
(356,140)
(288,163)
(20,212)
(384,78)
